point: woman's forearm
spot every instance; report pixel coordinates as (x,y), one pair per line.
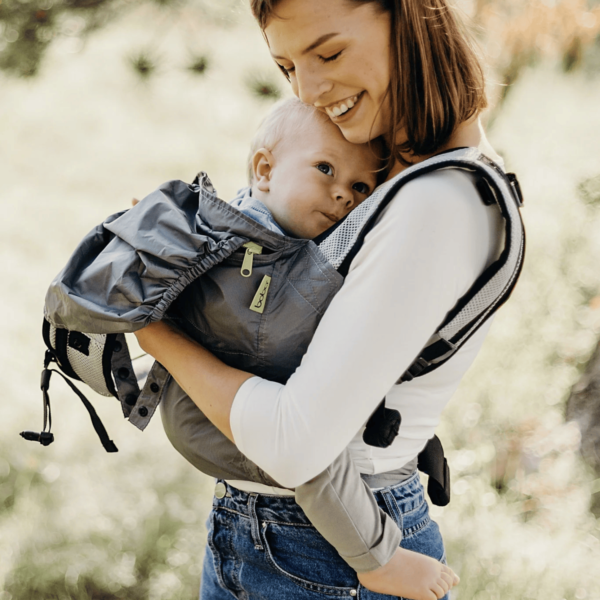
(210,383)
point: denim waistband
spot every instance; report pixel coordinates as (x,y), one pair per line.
(408,495)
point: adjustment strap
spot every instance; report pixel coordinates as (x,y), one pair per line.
(45,385)
(433,462)
(437,350)
(108,444)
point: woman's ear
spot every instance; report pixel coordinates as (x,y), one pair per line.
(262,167)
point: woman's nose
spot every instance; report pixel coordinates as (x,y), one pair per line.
(308,84)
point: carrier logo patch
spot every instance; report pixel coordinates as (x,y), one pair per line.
(260,298)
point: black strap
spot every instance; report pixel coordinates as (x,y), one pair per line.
(45,437)
(108,444)
(433,462)
(383,426)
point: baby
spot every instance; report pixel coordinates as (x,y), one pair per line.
(305,177)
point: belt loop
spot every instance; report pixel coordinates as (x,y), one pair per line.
(392,505)
(254,526)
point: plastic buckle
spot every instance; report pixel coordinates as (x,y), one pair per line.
(45,437)
(515,188)
(414,370)
(45,380)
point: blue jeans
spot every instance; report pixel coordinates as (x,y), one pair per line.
(264,547)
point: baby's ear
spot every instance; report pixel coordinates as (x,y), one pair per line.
(262,167)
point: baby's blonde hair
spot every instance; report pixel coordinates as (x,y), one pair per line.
(284,121)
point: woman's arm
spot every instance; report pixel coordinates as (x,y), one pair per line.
(208,381)
(428,248)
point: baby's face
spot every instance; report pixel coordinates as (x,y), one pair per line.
(319,177)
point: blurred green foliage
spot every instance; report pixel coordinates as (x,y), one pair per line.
(28,27)
(589,190)
(199,64)
(144,64)
(263,86)
(74,545)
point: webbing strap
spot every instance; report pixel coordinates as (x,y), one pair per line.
(433,462)
(108,444)
(45,437)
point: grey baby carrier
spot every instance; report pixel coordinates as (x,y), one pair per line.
(141,266)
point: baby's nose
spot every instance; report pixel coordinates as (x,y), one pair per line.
(345,197)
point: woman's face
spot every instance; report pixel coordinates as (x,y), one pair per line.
(337,55)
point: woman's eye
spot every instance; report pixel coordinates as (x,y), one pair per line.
(331,58)
(325,168)
(361,188)
(285,71)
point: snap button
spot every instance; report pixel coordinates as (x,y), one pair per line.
(143,411)
(353,592)
(118,347)
(123,373)
(130,399)
(154,387)
(220,490)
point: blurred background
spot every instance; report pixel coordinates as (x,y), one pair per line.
(103,100)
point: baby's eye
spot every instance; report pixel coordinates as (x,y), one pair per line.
(325,168)
(361,188)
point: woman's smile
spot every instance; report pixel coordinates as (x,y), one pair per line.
(340,109)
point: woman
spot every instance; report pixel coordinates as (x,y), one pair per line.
(402,70)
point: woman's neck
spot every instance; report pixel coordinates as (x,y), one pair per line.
(467,134)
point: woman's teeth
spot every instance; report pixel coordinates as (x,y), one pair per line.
(342,108)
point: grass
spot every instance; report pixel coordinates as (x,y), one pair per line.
(86,136)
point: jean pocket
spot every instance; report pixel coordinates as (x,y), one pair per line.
(301,554)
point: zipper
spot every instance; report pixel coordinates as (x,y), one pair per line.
(251,250)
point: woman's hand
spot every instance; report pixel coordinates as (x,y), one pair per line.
(411,575)
(210,383)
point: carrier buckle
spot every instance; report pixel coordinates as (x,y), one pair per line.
(515,188)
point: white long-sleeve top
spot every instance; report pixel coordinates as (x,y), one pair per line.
(428,247)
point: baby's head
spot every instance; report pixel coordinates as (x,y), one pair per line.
(305,172)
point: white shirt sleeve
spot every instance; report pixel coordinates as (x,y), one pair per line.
(427,249)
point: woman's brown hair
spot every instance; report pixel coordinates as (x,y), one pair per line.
(436,79)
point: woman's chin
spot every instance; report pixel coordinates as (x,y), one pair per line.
(354,135)
(361,132)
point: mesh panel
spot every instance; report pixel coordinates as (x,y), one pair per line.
(87,367)
(336,246)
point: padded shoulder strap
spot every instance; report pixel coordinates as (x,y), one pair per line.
(493,286)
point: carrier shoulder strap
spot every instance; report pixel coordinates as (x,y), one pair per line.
(491,289)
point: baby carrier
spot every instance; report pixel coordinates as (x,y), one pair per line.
(139,265)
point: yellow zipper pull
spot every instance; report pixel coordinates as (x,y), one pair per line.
(260,298)
(251,250)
